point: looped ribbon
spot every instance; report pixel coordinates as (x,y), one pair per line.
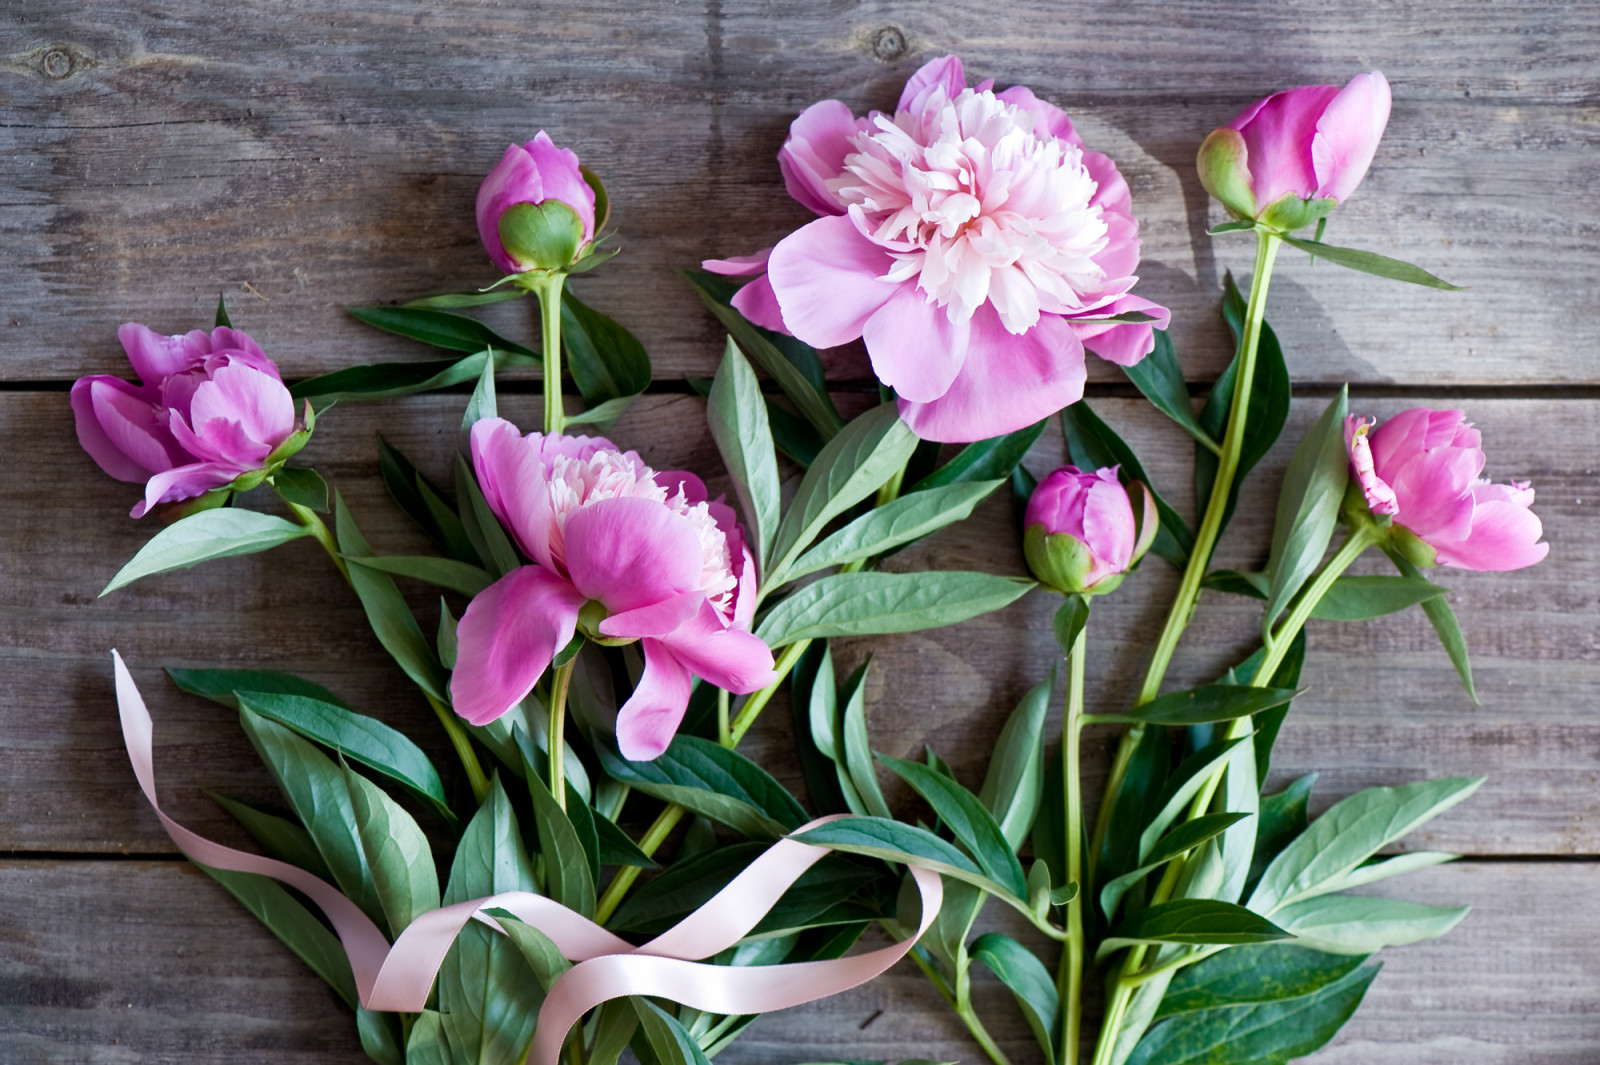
(399,977)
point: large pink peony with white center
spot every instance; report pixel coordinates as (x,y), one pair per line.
(626,552)
(969,239)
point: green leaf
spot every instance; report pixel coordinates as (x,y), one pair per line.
(222,320)
(1029,982)
(603,414)
(1209,702)
(1348,599)
(1195,922)
(391,619)
(453,332)
(1362,924)
(1135,805)
(1263,972)
(397,853)
(488,995)
(446,641)
(793,435)
(1265,1033)
(615,848)
(857,462)
(1069,622)
(362,739)
(1179,841)
(461,577)
(210,534)
(870,604)
(423,503)
(304,487)
(668,1042)
(568,877)
(1093,444)
(1308,507)
(293,924)
(605,360)
(451,300)
(538,949)
(317,793)
(483,404)
(280,837)
(986,460)
(1369,262)
(392,380)
(488,539)
(857,757)
(1160,378)
(427,1045)
(737,415)
(972,825)
(794,366)
(220,685)
(682,888)
(895,524)
(715,782)
(1351,832)
(1182,786)
(615,1024)
(1014,782)
(1444,623)
(1282,818)
(1231,227)
(380,1036)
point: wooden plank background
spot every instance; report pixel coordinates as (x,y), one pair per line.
(306,156)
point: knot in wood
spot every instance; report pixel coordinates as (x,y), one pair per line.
(888,44)
(57,63)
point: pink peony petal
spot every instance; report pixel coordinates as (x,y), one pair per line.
(243,348)
(1050,120)
(1124,345)
(1111,188)
(945,72)
(652,714)
(155,357)
(562,179)
(727,657)
(183,482)
(1403,435)
(513,180)
(119,427)
(1433,490)
(1006,383)
(1504,536)
(629,553)
(914,347)
(1348,133)
(739,265)
(1108,526)
(257,403)
(512,476)
(758,303)
(653,619)
(506,639)
(826,276)
(814,153)
(1278,140)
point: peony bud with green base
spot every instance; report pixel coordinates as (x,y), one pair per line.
(1083,531)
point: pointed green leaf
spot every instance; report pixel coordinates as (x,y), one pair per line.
(1029,982)
(1308,507)
(461,577)
(1369,262)
(210,534)
(737,415)
(482,528)
(1094,445)
(891,841)
(295,925)
(453,332)
(1263,972)
(392,380)
(605,360)
(1181,840)
(281,838)
(895,524)
(1208,703)
(972,825)
(1160,378)
(397,853)
(1014,782)
(568,878)
(1194,922)
(869,604)
(304,487)
(986,460)
(221,685)
(857,760)
(1444,623)
(714,782)
(1362,924)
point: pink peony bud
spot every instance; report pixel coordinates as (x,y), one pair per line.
(622,552)
(1420,469)
(535,210)
(1290,159)
(210,411)
(1083,531)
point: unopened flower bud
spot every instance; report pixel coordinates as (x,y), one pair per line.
(536,211)
(1083,530)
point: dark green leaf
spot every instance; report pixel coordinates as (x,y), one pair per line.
(1093,444)
(1182,786)
(427,1044)
(891,841)
(986,460)
(605,360)
(482,529)
(461,577)
(296,926)
(1444,623)
(1182,839)
(894,524)
(1308,507)
(222,320)
(453,332)
(869,604)
(812,688)
(615,1024)
(616,848)
(603,414)
(715,782)
(1369,262)
(1195,922)
(737,415)
(972,825)
(793,435)
(220,685)
(1069,622)
(668,1042)
(1135,804)
(682,888)
(280,837)
(1029,982)
(380,1036)
(1160,378)
(1209,702)
(538,949)
(210,534)
(303,487)
(568,877)
(392,380)
(1262,972)
(423,503)
(1283,817)
(1349,599)
(397,853)
(452,300)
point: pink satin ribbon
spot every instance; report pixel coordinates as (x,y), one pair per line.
(398,978)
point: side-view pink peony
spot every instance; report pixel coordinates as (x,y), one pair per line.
(209,408)
(969,239)
(1082,530)
(535,210)
(622,552)
(1289,159)
(1422,469)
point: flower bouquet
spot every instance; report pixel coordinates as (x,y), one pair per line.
(601,868)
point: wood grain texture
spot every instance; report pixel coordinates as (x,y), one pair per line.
(303,159)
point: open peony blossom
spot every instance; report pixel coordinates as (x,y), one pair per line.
(1291,158)
(210,408)
(1421,468)
(622,551)
(969,238)
(535,210)
(1083,530)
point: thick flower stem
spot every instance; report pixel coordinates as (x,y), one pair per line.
(463,748)
(548,289)
(560,681)
(1069,981)
(1205,540)
(724,730)
(319,532)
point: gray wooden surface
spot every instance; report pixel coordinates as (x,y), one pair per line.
(303,157)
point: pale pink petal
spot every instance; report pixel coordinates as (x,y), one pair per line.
(814,154)
(1050,120)
(1108,525)
(727,657)
(629,553)
(759,304)
(744,602)
(739,265)
(1504,536)
(506,639)
(1278,141)
(1410,431)
(218,440)
(1111,188)
(945,72)
(514,481)
(826,277)
(1434,491)
(1348,133)
(119,427)
(183,482)
(243,348)
(914,347)
(1125,344)
(1006,383)
(1120,257)
(651,716)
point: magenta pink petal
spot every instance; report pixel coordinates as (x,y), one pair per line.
(183,482)
(1348,133)
(120,429)
(826,277)
(219,440)
(561,179)
(1405,434)
(1007,382)
(506,639)
(155,356)
(1434,491)
(945,72)
(243,348)
(1278,142)
(629,553)
(759,304)
(744,604)
(1124,345)
(814,154)
(1111,188)
(258,403)
(1504,536)
(914,347)
(650,717)
(653,619)
(514,179)
(514,481)
(729,658)
(1108,526)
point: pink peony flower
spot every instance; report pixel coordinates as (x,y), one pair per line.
(535,210)
(969,238)
(1290,158)
(1083,531)
(627,553)
(209,409)
(1422,468)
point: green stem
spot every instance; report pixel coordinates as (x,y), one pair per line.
(548,290)
(969,1017)
(653,837)
(724,732)
(1210,528)
(1070,979)
(756,703)
(319,532)
(463,747)
(557,738)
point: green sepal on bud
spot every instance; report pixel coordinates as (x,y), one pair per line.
(183,508)
(1063,562)
(1386,533)
(541,236)
(1225,173)
(1412,547)
(1289,212)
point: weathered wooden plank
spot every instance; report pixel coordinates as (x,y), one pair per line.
(112,962)
(151,157)
(1382,706)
